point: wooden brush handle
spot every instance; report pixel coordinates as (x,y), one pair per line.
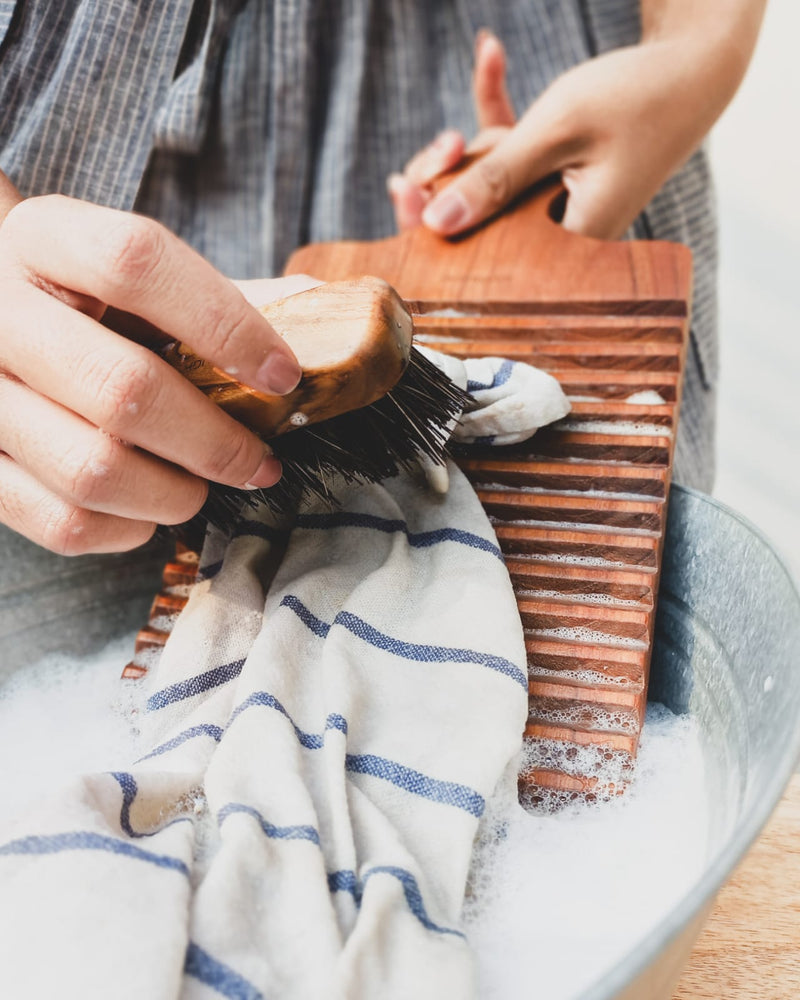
(352,339)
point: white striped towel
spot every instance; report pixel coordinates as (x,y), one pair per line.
(332,711)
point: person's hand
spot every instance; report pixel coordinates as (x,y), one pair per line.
(100,439)
(615,128)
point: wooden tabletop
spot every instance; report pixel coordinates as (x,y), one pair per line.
(750,947)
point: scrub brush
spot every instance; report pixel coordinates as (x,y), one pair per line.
(368,403)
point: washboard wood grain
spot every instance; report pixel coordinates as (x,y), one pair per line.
(580,509)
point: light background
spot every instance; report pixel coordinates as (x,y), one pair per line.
(756,154)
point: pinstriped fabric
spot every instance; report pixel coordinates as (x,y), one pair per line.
(81,85)
(284,121)
(6,14)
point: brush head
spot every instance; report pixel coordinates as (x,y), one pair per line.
(365,445)
(367,406)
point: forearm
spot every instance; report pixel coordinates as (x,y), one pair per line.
(705,48)
(726,30)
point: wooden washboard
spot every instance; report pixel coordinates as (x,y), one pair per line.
(580,509)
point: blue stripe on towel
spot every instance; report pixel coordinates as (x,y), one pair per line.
(220,977)
(311,741)
(347,881)
(255,529)
(194,685)
(210,571)
(422,653)
(426,653)
(501,376)
(413,897)
(424,539)
(127,783)
(317,626)
(84,840)
(203,729)
(447,792)
(419,539)
(275,832)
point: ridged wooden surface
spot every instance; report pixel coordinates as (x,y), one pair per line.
(176,583)
(580,509)
(579,513)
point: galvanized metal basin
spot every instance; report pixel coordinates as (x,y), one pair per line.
(727,650)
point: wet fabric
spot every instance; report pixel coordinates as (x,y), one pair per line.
(336,704)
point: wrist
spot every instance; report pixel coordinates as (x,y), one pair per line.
(705,71)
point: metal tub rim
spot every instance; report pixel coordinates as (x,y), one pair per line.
(698,900)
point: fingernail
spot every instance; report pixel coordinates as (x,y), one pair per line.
(279,374)
(444,138)
(447,212)
(267,474)
(394,183)
(481,37)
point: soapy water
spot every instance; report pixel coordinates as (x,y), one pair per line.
(623,427)
(554,898)
(62,717)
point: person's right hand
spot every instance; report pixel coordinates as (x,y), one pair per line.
(100,439)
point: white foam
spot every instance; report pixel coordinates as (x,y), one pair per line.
(580,597)
(603,494)
(588,715)
(568,559)
(556,900)
(590,678)
(647,397)
(62,717)
(448,312)
(587,635)
(624,427)
(523,522)
(163,623)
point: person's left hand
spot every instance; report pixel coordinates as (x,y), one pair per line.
(615,128)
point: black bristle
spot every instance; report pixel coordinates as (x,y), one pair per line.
(366,445)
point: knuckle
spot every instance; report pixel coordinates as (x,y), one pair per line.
(125,391)
(134,249)
(495,179)
(89,479)
(232,461)
(225,328)
(65,529)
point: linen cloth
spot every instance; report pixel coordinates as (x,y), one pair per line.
(330,714)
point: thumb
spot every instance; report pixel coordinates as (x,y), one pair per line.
(492,103)
(527,153)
